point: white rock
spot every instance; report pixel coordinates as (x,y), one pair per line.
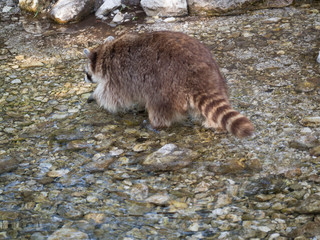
(165,8)
(6,9)
(318,58)
(194,227)
(15,81)
(169,20)
(107,7)
(71,10)
(118,18)
(158,199)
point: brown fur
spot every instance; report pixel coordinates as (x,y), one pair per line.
(168,72)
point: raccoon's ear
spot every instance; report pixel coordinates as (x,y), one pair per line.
(86,52)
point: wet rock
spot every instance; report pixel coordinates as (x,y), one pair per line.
(235,166)
(304,142)
(307,231)
(223,200)
(58,173)
(158,199)
(107,7)
(69,211)
(98,218)
(311,121)
(100,164)
(65,11)
(32,64)
(139,192)
(169,157)
(265,185)
(311,205)
(8,163)
(78,144)
(68,234)
(164,8)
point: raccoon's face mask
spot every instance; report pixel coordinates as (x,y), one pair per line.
(89,77)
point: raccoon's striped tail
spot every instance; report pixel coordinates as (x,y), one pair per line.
(220,115)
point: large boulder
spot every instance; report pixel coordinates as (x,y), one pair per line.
(224,7)
(165,8)
(65,11)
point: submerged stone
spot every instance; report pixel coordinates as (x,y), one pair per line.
(168,158)
(68,234)
(8,164)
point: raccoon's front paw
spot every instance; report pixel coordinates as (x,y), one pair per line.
(147,125)
(91,99)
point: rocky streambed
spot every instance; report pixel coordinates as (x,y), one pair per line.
(69,170)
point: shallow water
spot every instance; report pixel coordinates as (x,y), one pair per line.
(66,164)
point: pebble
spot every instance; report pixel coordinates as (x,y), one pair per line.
(58,173)
(158,199)
(8,163)
(68,234)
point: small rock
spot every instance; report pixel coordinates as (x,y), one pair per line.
(6,9)
(165,8)
(304,142)
(194,227)
(272,20)
(68,234)
(158,199)
(98,218)
(8,163)
(77,144)
(118,18)
(311,205)
(139,192)
(58,173)
(311,121)
(15,81)
(223,200)
(315,151)
(32,64)
(168,158)
(169,20)
(99,165)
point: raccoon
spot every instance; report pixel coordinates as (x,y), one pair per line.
(170,74)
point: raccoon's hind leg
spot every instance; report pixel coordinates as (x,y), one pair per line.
(163,114)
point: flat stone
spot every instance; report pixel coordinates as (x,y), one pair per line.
(68,234)
(158,199)
(169,157)
(311,205)
(32,64)
(8,163)
(16,81)
(311,121)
